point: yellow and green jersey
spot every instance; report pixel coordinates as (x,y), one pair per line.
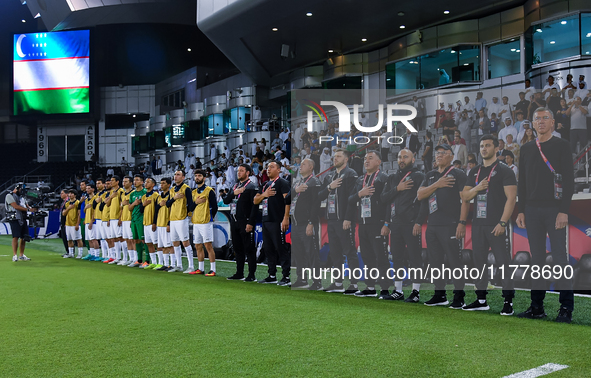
(116,204)
(163,211)
(125,213)
(72,216)
(88,210)
(149,210)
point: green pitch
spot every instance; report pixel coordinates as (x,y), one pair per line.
(66,317)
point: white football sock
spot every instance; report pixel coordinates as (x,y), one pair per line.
(80,251)
(71,251)
(189,251)
(172,260)
(153,258)
(178,254)
(166,259)
(398,286)
(104,248)
(416,286)
(202,266)
(160,258)
(212,266)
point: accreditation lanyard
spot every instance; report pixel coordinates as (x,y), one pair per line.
(405,176)
(544,156)
(298,195)
(240,186)
(372,181)
(272,183)
(489,175)
(449,170)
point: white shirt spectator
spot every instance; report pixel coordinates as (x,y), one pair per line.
(284,135)
(506,110)
(582,93)
(548,86)
(508,130)
(213,152)
(494,108)
(285,161)
(110,172)
(578,120)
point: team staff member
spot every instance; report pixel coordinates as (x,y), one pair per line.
(493,187)
(442,189)
(304,208)
(272,196)
(106,218)
(181,199)
(125,221)
(336,189)
(114,229)
(98,216)
(162,221)
(405,220)
(18,226)
(366,209)
(90,229)
(546,186)
(148,207)
(242,222)
(62,231)
(137,220)
(83,184)
(204,209)
(73,233)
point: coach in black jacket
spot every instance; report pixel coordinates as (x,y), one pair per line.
(337,187)
(368,211)
(411,142)
(406,216)
(243,214)
(303,211)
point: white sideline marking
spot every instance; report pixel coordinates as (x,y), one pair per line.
(538,372)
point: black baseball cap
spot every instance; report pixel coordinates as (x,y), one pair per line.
(443,146)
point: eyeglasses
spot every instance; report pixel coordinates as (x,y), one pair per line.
(440,153)
(540,118)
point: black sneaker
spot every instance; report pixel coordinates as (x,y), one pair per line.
(413,297)
(316,286)
(457,304)
(285,281)
(366,293)
(437,300)
(397,295)
(351,290)
(269,280)
(236,277)
(564,316)
(385,295)
(250,279)
(163,268)
(507,309)
(335,289)
(300,285)
(533,313)
(476,306)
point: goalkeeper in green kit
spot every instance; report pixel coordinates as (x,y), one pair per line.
(137,221)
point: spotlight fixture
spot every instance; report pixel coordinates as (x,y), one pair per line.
(330,51)
(274,29)
(552,42)
(563,22)
(363,39)
(309,14)
(402,26)
(189,49)
(446,12)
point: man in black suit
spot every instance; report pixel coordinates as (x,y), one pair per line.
(411,142)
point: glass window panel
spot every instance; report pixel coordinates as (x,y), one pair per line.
(557,39)
(468,68)
(586,33)
(436,67)
(504,58)
(403,76)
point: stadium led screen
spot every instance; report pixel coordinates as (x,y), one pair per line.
(51,72)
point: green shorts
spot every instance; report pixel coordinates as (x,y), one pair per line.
(137,229)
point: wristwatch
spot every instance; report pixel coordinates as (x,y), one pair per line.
(462,222)
(503,224)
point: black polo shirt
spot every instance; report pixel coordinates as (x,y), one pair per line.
(276,203)
(495,200)
(449,202)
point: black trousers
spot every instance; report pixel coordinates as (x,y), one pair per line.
(405,247)
(540,221)
(341,243)
(374,252)
(482,240)
(64,236)
(441,242)
(275,249)
(304,251)
(244,247)
(428,164)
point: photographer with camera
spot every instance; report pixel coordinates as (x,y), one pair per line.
(17,215)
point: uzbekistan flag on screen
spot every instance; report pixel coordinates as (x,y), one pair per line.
(51,74)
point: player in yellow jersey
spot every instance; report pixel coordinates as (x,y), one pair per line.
(181,200)
(106,217)
(125,220)
(98,216)
(73,233)
(204,210)
(149,201)
(114,230)
(90,229)
(162,220)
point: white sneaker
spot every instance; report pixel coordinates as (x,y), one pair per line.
(15,258)
(66,256)
(123,262)
(24,258)
(114,262)
(79,256)
(174,269)
(190,270)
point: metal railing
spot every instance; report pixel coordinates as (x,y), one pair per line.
(585,155)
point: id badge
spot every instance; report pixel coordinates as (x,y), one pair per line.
(293,206)
(332,203)
(432,204)
(366,207)
(265,207)
(233,207)
(557,186)
(392,211)
(481,206)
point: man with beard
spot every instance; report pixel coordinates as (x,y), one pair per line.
(367,210)
(162,222)
(405,221)
(304,209)
(442,189)
(181,199)
(204,209)
(243,216)
(337,187)
(494,188)
(125,220)
(148,208)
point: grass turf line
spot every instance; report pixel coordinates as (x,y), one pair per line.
(66,317)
